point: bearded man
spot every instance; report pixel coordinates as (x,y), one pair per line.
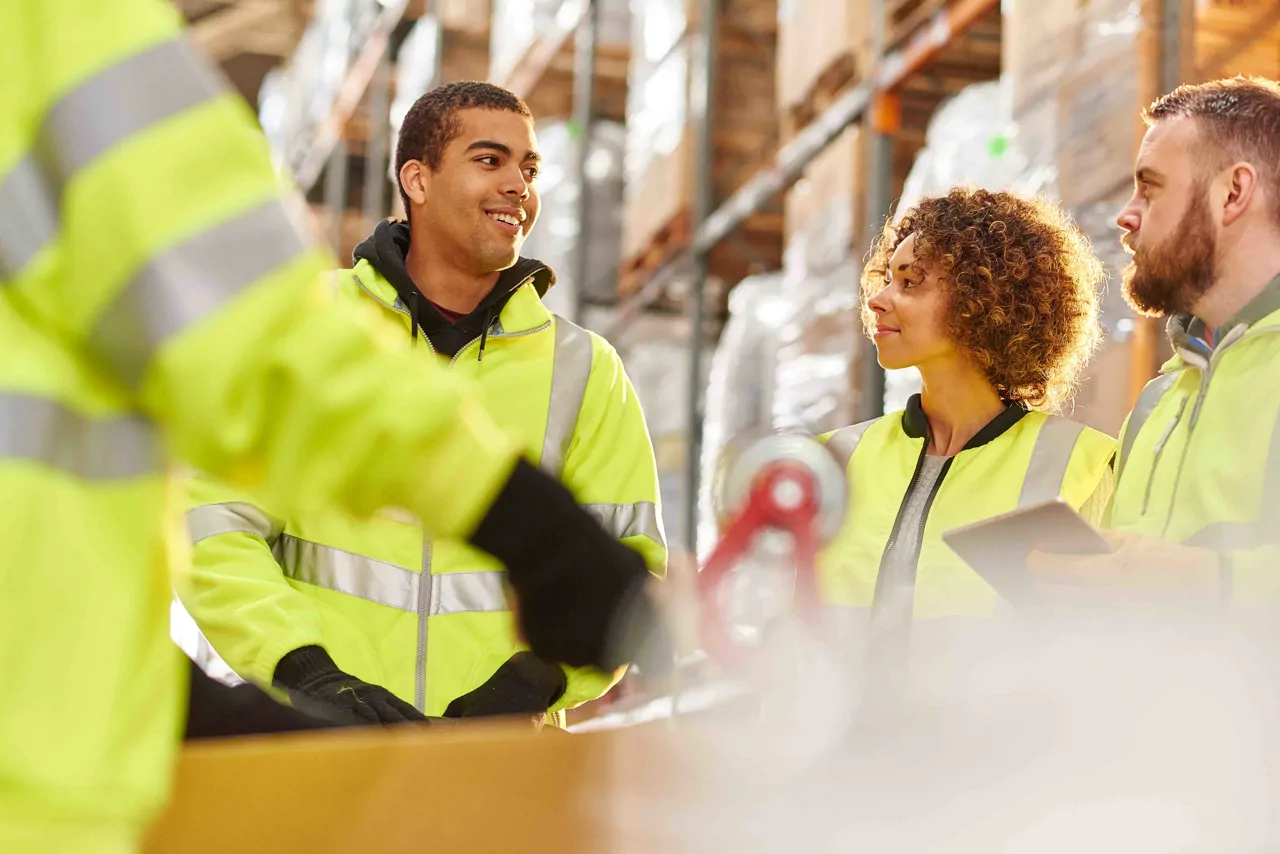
(1196,508)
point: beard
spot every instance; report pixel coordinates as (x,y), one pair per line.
(1170,278)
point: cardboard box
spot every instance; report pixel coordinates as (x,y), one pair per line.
(665,189)
(468,16)
(812,36)
(833,178)
(1040,40)
(1099,126)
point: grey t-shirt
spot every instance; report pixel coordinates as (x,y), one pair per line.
(896,583)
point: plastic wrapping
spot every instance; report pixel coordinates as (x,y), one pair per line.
(417,67)
(740,384)
(817,369)
(658,365)
(517,24)
(555,238)
(815,374)
(1072,90)
(966,143)
(302,95)
(657,85)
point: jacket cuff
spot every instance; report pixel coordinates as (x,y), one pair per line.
(302,665)
(520,524)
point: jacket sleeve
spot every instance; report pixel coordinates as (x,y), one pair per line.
(163,249)
(610,468)
(237,592)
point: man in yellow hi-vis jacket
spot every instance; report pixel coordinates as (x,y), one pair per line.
(1197,500)
(156,300)
(340,611)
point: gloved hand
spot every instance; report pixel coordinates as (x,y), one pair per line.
(314,682)
(523,685)
(580,593)
(216,710)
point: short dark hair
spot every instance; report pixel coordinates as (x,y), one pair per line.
(432,122)
(1239,118)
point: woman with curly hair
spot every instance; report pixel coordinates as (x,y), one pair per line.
(994,299)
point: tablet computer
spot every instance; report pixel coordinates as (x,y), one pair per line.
(997,548)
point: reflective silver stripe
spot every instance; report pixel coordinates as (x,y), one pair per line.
(570,371)
(139,91)
(1050,458)
(45,431)
(190,280)
(630,520)
(1142,410)
(233,517)
(386,583)
(28,216)
(845,441)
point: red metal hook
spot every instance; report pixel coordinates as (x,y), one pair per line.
(784,495)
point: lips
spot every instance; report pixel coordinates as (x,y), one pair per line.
(884,331)
(508,219)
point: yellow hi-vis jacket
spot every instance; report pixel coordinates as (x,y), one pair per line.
(1199,458)
(266,584)
(156,297)
(1019,459)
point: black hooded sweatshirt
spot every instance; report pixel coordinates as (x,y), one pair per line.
(386,250)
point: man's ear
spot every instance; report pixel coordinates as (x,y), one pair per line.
(1241,187)
(414,177)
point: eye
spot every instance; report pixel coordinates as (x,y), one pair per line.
(532,172)
(907,284)
(488,160)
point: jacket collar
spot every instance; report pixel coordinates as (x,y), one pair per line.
(1188,334)
(916,425)
(522,313)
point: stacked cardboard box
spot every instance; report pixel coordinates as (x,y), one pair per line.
(661,141)
(822,45)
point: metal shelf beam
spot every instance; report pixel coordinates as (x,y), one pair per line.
(791,160)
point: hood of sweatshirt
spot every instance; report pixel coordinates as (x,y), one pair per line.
(387,248)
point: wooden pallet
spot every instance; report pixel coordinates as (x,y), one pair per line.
(834,79)
(904,17)
(674,235)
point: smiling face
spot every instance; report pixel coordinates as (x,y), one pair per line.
(909,310)
(482,201)
(1168,227)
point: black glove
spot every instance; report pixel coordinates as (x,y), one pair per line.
(315,683)
(216,710)
(580,593)
(523,685)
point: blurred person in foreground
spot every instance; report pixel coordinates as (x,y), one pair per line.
(1196,512)
(994,299)
(157,302)
(369,615)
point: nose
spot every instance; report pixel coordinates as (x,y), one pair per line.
(879,301)
(515,184)
(1129,219)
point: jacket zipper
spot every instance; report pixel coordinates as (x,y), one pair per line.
(1206,377)
(425,579)
(500,335)
(424,613)
(897,634)
(1159,449)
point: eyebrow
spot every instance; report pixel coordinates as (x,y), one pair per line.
(1146,173)
(902,268)
(505,150)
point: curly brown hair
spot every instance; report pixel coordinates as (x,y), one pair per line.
(1022,287)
